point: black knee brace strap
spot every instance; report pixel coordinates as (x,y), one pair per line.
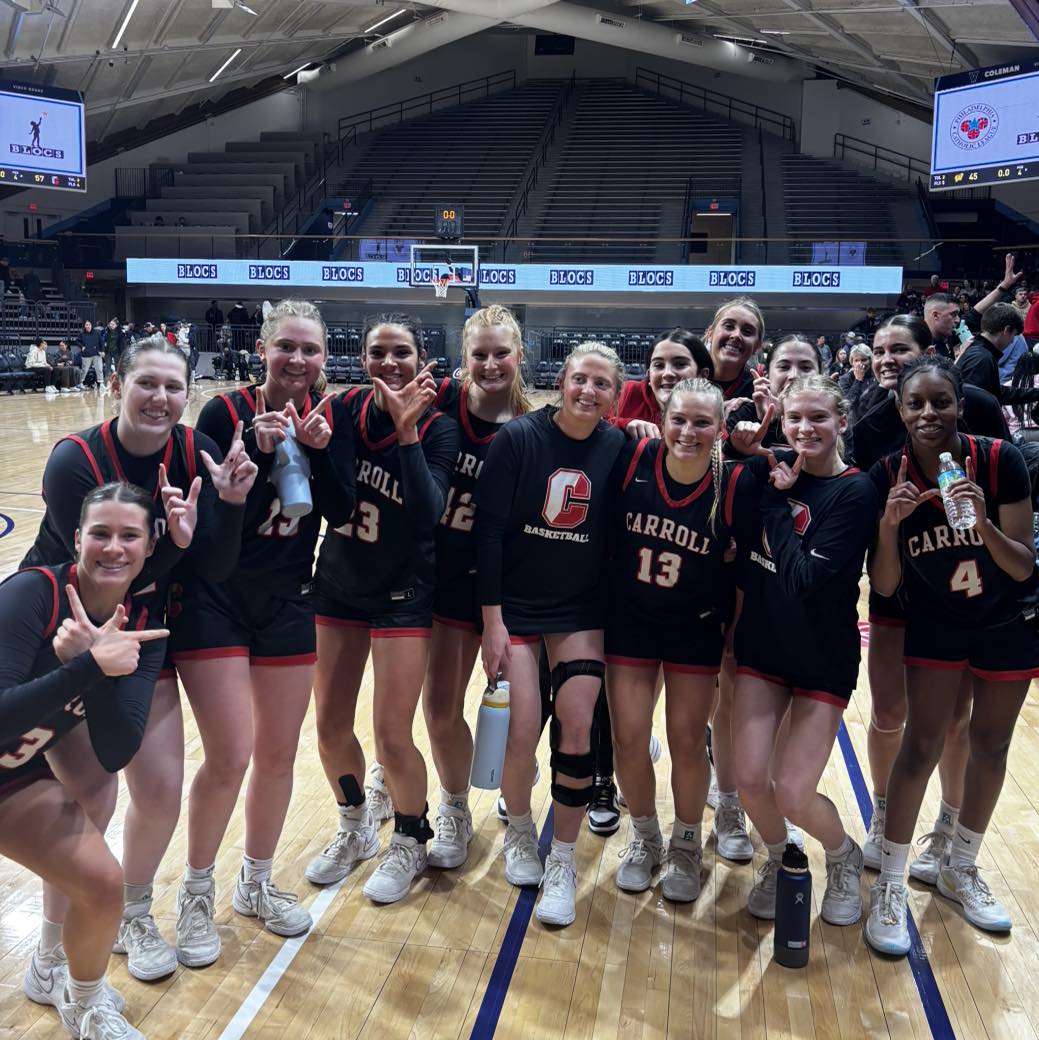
(577,766)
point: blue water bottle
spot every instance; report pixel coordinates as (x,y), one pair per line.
(290,474)
(492,734)
(793,909)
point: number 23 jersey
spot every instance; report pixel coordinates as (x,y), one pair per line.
(949,576)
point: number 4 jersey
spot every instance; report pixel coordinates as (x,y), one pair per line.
(948,576)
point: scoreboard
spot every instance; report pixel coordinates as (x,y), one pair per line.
(42,143)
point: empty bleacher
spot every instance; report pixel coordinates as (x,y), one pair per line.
(620,170)
(475,154)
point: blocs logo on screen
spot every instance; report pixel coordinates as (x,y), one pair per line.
(268,272)
(652,279)
(35,145)
(816,279)
(497,276)
(330,273)
(732,279)
(569,276)
(196,270)
(974,126)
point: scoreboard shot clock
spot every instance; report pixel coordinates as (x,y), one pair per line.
(448,223)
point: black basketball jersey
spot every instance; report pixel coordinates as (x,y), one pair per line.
(800,570)
(387,546)
(42,699)
(949,577)
(667,562)
(455,546)
(277,549)
(549,499)
(741,386)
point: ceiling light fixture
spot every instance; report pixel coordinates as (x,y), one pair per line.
(224,66)
(774,32)
(126,22)
(296,72)
(388,18)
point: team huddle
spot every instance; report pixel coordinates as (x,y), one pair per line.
(702,534)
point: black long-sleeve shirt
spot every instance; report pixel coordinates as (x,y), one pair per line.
(979,366)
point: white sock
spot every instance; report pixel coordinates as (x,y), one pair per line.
(458,801)
(730,799)
(256,870)
(198,880)
(946,819)
(85,993)
(685,835)
(840,852)
(965,847)
(137,899)
(893,859)
(564,849)
(352,816)
(776,851)
(647,827)
(880,806)
(50,936)
(521,823)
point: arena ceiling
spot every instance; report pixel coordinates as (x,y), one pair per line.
(138,61)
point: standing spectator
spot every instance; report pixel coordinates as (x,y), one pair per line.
(867,325)
(169,335)
(909,299)
(31,286)
(238,316)
(979,362)
(36,361)
(214,316)
(1022,300)
(113,344)
(934,286)
(823,346)
(91,344)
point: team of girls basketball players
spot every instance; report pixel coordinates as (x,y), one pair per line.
(711,523)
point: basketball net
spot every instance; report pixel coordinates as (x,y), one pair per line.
(440,287)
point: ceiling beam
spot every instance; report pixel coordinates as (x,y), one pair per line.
(17,17)
(70,21)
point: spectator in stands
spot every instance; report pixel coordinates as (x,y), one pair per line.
(867,325)
(840,364)
(169,335)
(214,316)
(257,318)
(66,361)
(238,316)
(91,344)
(1032,322)
(182,221)
(909,299)
(822,344)
(857,383)
(31,287)
(5,274)
(159,222)
(979,363)
(948,325)
(1022,300)
(36,361)
(934,286)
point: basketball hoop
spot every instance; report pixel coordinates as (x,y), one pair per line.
(440,287)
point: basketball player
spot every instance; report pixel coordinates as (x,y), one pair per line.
(373,592)
(963,613)
(543,507)
(245,648)
(74,646)
(671,594)
(735,335)
(797,638)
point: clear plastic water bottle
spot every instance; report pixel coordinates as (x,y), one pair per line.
(290,474)
(959,512)
(793,909)
(492,734)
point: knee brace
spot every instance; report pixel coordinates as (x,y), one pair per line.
(577,766)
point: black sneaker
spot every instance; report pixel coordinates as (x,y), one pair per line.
(604,814)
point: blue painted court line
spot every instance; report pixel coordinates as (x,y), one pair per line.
(498,985)
(926,984)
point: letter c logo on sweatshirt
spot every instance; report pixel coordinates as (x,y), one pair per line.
(565,503)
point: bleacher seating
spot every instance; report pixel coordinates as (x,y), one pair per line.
(475,154)
(624,160)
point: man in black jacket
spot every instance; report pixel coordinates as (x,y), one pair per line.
(979,363)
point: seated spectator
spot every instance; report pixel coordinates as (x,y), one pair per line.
(867,325)
(159,222)
(840,364)
(858,381)
(182,221)
(65,362)
(36,361)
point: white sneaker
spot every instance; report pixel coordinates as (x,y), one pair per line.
(641,857)
(730,833)
(887,927)
(680,876)
(379,800)
(198,941)
(522,863)
(279,912)
(842,900)
(963,884)
(558,902)
(453,832)
(99,1021)
(873,847)
(762,899)
(926,866)
(502,809)
(348,848)
(713,797)
(45,976)
(148,955)
(402,862)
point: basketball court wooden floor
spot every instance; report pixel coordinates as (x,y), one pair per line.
(462,956)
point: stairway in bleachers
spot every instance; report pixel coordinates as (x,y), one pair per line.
(475,154)
(828,201)
(623,160)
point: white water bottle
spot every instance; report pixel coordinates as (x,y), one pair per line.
(290,474)
(492,734)
(959,511)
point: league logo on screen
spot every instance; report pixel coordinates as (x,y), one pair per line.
(974,126)
(35,147)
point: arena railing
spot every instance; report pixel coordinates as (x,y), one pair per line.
(732,108)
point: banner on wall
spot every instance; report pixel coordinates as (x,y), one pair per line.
(528,278)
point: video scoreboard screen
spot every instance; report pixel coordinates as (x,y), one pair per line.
(986,126)
(42,142)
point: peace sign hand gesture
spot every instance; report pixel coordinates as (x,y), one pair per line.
(181,512)
(314,431)
(233,478)
(904,497)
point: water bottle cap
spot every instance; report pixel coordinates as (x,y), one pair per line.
(945,456)
(794,858)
